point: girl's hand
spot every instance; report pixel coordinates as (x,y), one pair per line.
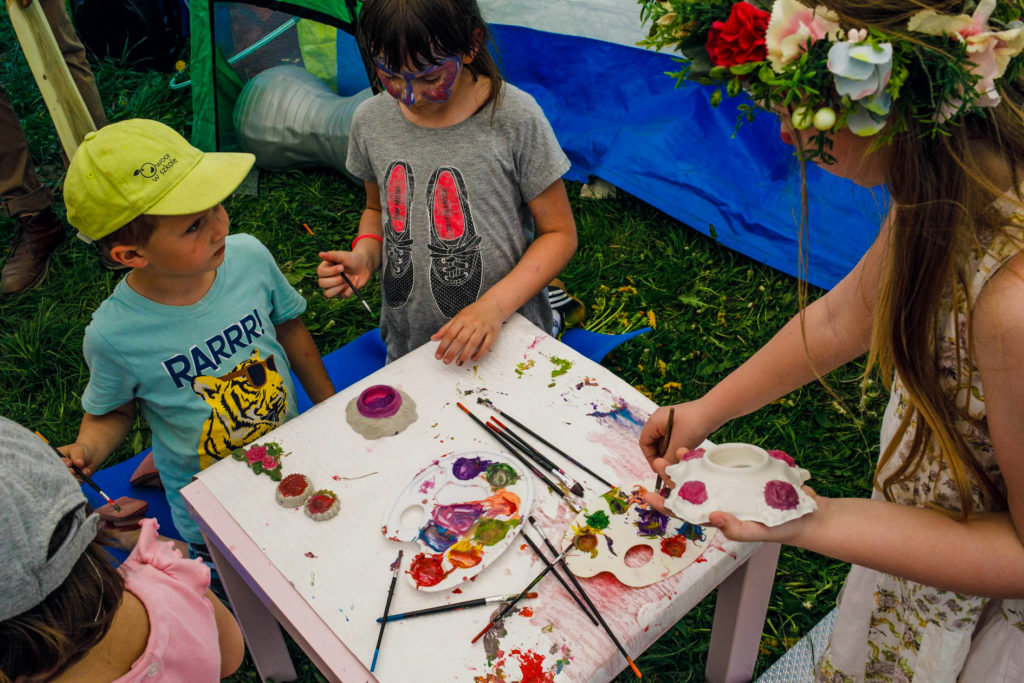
(738,530)
(330,269)
(78,454)
(691,424)
(469,335)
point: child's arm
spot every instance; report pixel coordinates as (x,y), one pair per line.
(229,637)
(472,332)
(837,329)
(98,436)
(365,258)
(304,359)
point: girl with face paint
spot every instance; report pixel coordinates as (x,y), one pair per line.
(466,215)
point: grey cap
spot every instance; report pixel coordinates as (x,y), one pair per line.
(36,492)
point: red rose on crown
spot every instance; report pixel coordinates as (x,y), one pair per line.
(741,38)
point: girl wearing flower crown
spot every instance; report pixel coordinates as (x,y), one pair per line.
(925,98)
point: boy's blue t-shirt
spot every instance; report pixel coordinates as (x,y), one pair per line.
(209,377)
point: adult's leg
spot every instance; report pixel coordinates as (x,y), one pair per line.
(74,55)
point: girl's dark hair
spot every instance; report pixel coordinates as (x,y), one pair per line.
(403,32)
(44,641)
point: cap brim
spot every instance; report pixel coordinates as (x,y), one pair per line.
(209,183)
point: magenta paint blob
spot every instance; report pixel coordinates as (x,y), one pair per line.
(783,456)
(692,455)
(781,495)
(693,492)
(378,401)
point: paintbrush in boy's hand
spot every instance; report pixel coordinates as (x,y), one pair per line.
(84,477)
(324,247)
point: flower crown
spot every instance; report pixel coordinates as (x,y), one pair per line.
(787,55)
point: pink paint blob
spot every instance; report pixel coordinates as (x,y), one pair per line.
(783,456)
(693,492)
(379,401)
(692,455)
(781,495)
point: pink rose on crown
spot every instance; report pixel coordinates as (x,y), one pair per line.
(791,25)
(256,454)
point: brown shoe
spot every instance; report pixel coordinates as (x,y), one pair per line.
(36,238)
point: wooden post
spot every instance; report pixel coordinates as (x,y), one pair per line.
(70,116)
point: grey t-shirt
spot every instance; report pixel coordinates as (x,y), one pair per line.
(454,206)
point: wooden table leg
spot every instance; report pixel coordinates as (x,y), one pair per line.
(740,611)
(259,627)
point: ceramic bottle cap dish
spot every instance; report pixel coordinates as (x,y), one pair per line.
(611,525)
(741,479)
(463,510)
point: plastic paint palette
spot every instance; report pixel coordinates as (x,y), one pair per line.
(462,511)
(637,546)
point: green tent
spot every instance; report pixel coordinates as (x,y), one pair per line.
(233,41)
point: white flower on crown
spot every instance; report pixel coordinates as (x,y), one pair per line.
(791,26)
(989,51)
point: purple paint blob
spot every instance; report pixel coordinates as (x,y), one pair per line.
(378,401)
(437,538)
(783,456)
(693,492)
(651,522)
(468,468)
(781,495)
(692,455)
(458,517)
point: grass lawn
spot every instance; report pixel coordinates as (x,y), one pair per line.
(711,308)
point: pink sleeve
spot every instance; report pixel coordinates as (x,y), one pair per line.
(163,556)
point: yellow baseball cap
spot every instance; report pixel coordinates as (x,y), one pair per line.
(138,166)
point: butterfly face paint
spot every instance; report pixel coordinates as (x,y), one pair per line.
(433,84)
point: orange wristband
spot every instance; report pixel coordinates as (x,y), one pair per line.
(366,234)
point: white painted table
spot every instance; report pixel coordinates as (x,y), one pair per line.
(326,582)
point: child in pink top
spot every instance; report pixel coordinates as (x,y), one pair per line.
(67,614)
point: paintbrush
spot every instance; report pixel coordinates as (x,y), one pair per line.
(583,593)
(558,576)
(558,472)
(512,604)
(547,443)
(665,440)
(511,449)
(557,487)
(387,605)
(454,606)
(324,247)
(82,475)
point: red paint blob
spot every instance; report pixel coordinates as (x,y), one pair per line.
(292,485)
(531,665)
(426,570)
(674,546)
(526,612)
(320,503)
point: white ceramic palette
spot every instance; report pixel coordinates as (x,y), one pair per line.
(741,479)
(636,545)
(463,511)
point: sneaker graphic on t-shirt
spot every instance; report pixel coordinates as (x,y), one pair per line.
(396,279)
(455,267)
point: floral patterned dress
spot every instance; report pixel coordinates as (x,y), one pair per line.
(892,629)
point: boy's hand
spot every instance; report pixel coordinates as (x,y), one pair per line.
(78,454)
(330,269)
(469,335)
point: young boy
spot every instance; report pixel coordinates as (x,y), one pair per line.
(199,336)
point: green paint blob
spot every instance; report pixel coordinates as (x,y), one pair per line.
(491,531)
(561,366)
(523,367)
(499,475)
(598,520)
(618,503)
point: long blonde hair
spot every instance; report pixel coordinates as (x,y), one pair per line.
(942,193)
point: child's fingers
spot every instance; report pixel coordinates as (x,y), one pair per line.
(659,465)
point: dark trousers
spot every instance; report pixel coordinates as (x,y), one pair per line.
(20,189)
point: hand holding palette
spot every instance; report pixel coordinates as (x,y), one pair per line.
(615,523)
(463,510)
(741,479)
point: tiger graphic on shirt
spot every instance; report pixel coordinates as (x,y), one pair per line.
(245,403)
